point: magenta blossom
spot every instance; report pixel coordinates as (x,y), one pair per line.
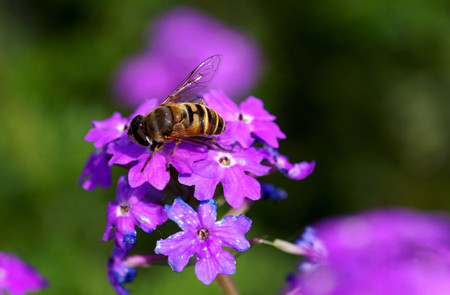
(281,163)
(246,121)
(115,127)
(228,168)
(17,277)
(154,170)
(119,273)
(204,237)
(96,171)
(382,252)
(159,68)
(131,209)
(109,131)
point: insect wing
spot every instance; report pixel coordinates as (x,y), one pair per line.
(196,81)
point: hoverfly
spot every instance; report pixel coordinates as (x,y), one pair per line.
(183,115)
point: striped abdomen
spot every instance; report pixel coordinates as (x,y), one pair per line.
(201,120)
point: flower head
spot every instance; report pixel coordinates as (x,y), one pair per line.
(393,251)
(17,277)
(158,69)
(118,272)
(204,237)
(228,168)
(131,209)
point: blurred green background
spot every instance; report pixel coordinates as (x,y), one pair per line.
(362,87)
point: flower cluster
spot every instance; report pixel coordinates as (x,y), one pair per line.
(160,67)
(17,277)
(246,150)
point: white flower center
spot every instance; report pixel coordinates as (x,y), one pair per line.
(121,127)
(225,160)
(245,118)
(203,234)
(123,209)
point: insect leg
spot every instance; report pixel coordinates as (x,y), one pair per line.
(177,142)
(156,146)
(146,162)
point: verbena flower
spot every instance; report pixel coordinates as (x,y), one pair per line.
(229,168)
(130,210)
(296,171)
(96,171)
(159,68)
(204,237)
(153,171)
(115,127)
(118,273)
(246,121)
(107,130)
(17,277)
(391,251)
(315,250)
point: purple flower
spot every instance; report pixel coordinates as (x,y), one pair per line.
(131,209)
(96,172)
(391,251)
(159,68)
(204,237)
(230,169)
(314,248)
(115,127)
(118,272)
(107,130)
(153,171)
(281,163)
(17,277)
(250,118)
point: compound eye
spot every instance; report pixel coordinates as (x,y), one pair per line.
(138,135)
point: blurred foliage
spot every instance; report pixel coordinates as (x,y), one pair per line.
(362,87)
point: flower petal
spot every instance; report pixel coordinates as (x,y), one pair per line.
(179,247)
(124,152)
(212,264)
(254,107)
(154,173)
(301,170)
(111,217)
(267,131)
(96,172)
(206,175)
(207,213)
(237,186)
(240,131)
(230,231)
(183,215)
(147,215)
(219,102)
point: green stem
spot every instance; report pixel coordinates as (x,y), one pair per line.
(227,285)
